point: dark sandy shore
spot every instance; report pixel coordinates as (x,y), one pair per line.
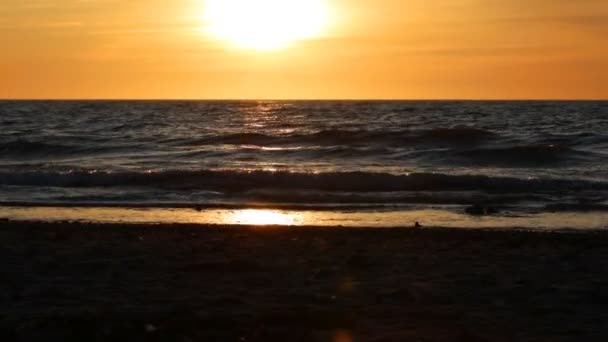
(86,282)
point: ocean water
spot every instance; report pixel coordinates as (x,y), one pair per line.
(374,159)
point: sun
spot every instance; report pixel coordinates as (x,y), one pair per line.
(265,24)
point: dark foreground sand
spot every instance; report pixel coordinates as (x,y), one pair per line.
(78,282)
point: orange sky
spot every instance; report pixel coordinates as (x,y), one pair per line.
(395,49)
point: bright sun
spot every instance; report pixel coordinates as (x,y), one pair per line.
(265,24)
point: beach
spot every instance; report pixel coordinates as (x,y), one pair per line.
(69,281)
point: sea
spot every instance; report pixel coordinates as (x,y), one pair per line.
(480,164)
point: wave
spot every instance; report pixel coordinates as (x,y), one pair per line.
(240,181)
(392,198)
(577,207)
(524,155)
(32,148)
(458,135)
(239,139)
(29,149)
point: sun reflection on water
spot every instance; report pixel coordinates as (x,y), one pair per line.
(405,218)
(259,217)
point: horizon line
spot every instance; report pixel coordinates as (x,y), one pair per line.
(316,99)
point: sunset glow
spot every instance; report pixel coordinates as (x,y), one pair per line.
(303,49)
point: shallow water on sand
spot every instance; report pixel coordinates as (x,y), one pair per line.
(269,217)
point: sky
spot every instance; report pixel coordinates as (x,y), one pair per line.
(381,49)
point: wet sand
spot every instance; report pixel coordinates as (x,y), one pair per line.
(89,282)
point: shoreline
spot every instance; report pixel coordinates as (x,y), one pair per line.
(389,218)
(141,282)
(68,225)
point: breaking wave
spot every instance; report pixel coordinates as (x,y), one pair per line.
(525,155)
(238,181)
